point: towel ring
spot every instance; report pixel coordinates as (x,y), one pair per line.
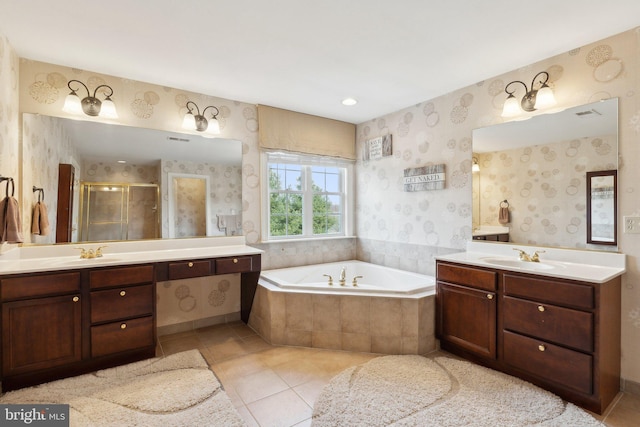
(40,193)
(504,204)
(13,186)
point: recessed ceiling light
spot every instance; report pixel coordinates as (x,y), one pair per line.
(122,161)
(349,101)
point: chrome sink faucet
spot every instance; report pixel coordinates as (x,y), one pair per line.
(523,256)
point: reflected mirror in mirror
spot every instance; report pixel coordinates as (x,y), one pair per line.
(602,207)
(135,160)
(537,167)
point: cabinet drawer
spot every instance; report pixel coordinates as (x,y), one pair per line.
(121,336)
(188,269)
(564,326)
(39,285)
(233,265)
(549,290)
(121,303)
(549,362)
(474,277)
(108,277)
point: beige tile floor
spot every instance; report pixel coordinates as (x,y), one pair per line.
(277,385)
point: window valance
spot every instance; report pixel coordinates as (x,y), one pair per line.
(304,133)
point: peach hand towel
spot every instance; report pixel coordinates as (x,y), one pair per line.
(10,222)
(503,215)
(40,219)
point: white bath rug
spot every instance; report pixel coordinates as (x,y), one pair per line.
(177,390)
(439,391)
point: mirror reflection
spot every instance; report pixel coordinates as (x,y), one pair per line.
(602,207)
(120,182)
(530,183)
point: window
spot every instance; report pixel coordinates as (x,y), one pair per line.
(306,196)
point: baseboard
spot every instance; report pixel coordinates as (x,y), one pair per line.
(630,387)
(197,324)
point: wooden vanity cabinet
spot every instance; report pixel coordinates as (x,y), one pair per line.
(41,322)
(466,313)
(562,335)
(66,323)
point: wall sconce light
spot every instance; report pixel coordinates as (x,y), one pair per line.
(199,122)
(533,99)
(475,167)
(90,105)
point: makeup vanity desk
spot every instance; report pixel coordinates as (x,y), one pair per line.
(64,316)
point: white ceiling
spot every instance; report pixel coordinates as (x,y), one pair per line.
(307,55)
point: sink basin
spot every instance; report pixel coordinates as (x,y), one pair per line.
(524,265)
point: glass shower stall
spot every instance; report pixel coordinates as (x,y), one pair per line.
(119,211)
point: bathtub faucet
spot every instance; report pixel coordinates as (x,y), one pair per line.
(343,276)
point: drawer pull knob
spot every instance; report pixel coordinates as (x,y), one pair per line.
(489,296)
(235,260)
(541,347)
(76,299)
(541,308)
(123,326)
(190,264)
(123,293)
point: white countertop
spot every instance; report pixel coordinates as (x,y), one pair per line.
(586,266)
(31,259)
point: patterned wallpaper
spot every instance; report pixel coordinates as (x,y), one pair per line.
(545,186)
(391,223)
(9,118)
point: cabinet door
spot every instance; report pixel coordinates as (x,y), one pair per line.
(466,317)
(40,333)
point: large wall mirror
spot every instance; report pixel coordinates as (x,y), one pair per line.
(123,178)
(530,183)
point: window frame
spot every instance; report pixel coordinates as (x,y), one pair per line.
(306,162)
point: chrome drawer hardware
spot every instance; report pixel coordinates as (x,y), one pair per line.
(235,260)
(123,293)
(541,308)
(541,347)
(123,326)
(190,264)
(489,296)
(76,299)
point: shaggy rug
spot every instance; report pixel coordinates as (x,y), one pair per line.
(438,391)
(177,390)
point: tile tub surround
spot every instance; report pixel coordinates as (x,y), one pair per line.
(383,325)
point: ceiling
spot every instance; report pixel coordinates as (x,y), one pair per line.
(307,55)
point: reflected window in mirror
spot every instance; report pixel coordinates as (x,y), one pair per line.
(539,165)
(602,207)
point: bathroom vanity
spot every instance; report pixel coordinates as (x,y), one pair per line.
(553,323)
(63,316)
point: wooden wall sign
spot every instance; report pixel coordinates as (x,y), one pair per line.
(424,178)
(377,148)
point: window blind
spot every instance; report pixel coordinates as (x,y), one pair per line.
(303,133)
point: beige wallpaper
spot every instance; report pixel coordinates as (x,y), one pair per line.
(9,118)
